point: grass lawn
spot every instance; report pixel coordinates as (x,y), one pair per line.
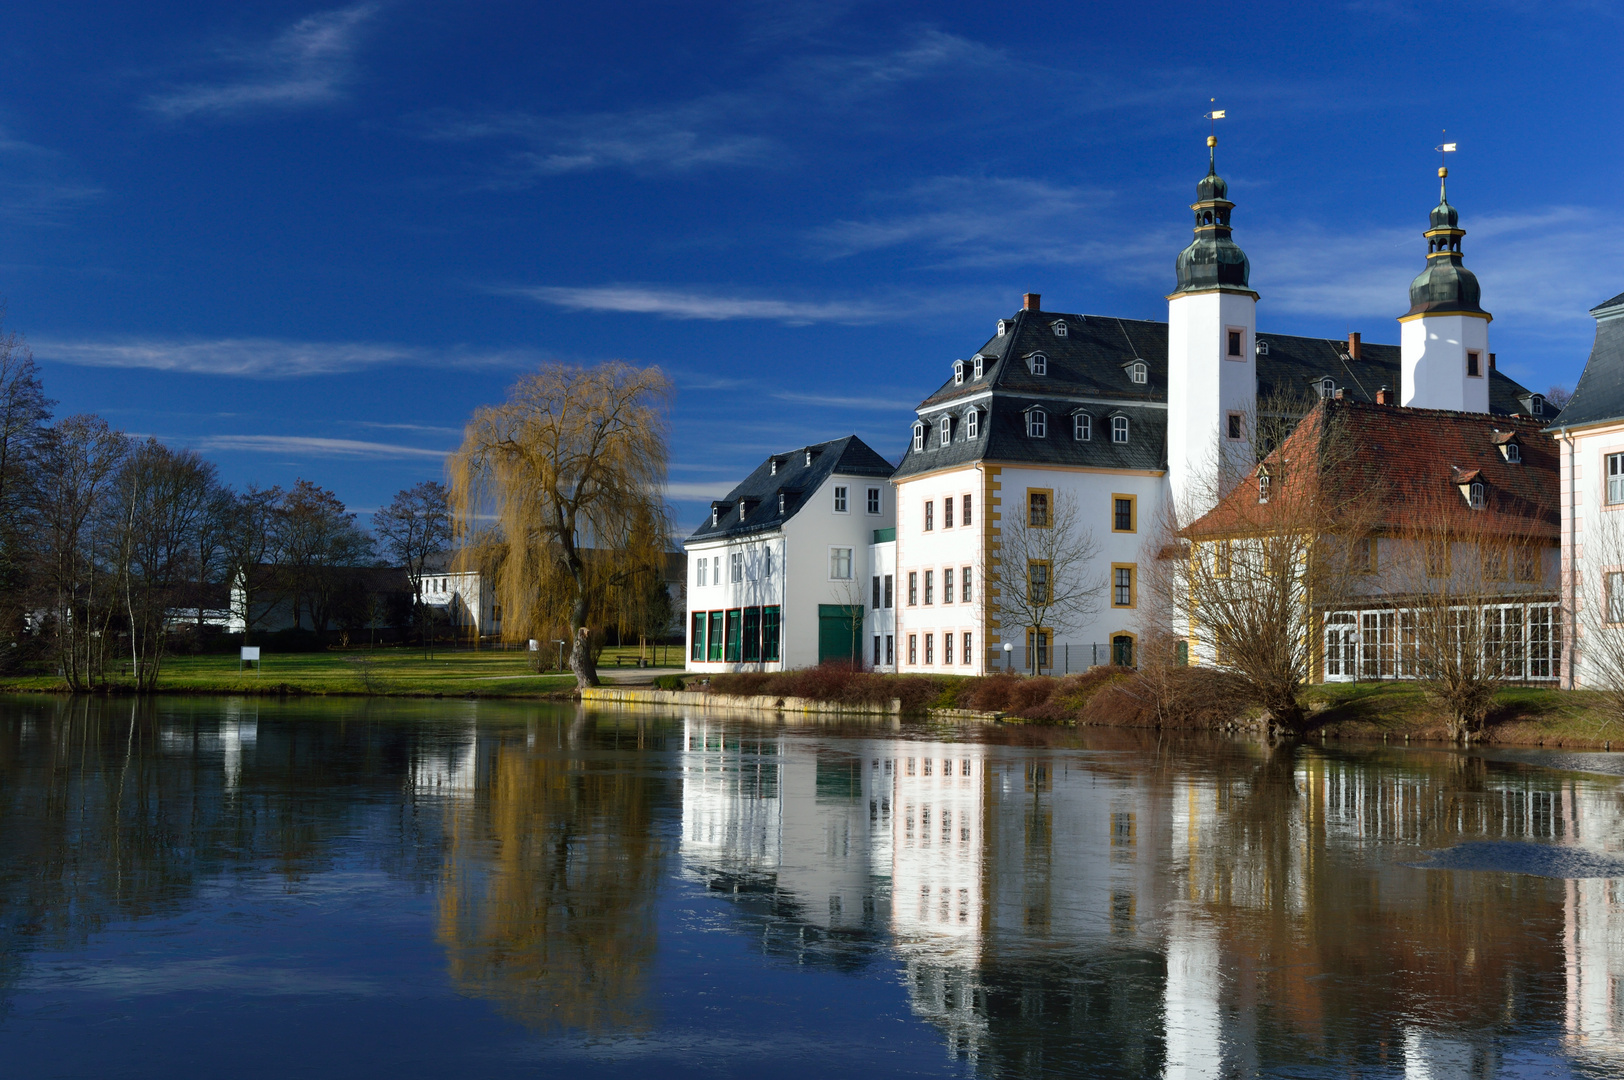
(1523,715)
(361,671)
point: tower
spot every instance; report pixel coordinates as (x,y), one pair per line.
(1211,355)
(1444,337)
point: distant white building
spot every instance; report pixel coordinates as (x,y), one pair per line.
(781,575)
(461,599)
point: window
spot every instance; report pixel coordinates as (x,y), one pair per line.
(889,583)
(1235,337)
(876,593)
(1474,365)
(713,637)
(766,562)
(918,436)
(947,585)
(1263,485)
(964,584)
(958,380)
(1363,555)
(1512,453)
(874,500)
(840,563)
(752,565)
(1327,387)
(704,568)
(1527,564)
(972,424)
(913,648)
(930,648)
(1222,559)
(947,512)
(1436,555)
(1060,328)
(783,501)
(769,635)
(696,642)
(1494,561)
(876,650)
(930,586)
(964,640)
(716,570)
(1262,347)
(735,566)
(1475,495)
(1536,405)
(1037,582)
(978,360)
(1138,372)
(965,517)
(1124,513)
(772,467)
(1615,597)
(1615,479)
(1122,585)
(752,635)
(890,650)
(840,500)
(913,587)
(1037,649)
(1119,429)
(1037,509)
(1038,363)
(947,648)
(1037,424)
(1234,430)
(930,516)
(1082,427)
(945,427)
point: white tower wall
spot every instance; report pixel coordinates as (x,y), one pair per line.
(1433,349)
(1205,385)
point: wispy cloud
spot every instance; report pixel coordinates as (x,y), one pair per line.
(430,428)
(867,404)
(266,358)
(699,489)
(310,63)
(687,304)
(312,447)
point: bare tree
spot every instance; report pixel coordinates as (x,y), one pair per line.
(317,540)
(572,466)
(415,528)
(1247,582)
(1599,617)
(24,414)
(248,542)
(1044,572)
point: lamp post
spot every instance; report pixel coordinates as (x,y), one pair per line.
(1009,656)
(560,645)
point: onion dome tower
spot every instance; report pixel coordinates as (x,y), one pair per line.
(1211,353)
(1444,337)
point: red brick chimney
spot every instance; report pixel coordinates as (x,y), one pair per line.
(1384,396)
(1353,346)
(1031,301)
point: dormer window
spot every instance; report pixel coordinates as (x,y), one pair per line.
(1138,372)
(810,454)
(783,501)
(918,435)
(978,362)
(1059,327)
(972,424)
(716,517)
(1327,387)
(1475,495)
(1037,424)
(1082,427)
(772,467)
(958,373)
(1262,347)
(1263,485)
(945,426)
(1512,453)
(1119,429)
(1038,364)
(1536,404)
(1003,327)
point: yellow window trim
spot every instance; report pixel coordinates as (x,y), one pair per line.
(1048,494)
(1133,584)
(1133,512)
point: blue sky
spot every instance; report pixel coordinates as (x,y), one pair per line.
(308,240)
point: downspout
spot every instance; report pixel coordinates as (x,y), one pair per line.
(1573,567)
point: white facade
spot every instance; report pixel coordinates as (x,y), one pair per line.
(464,599)
(1211,377)
(1440,355)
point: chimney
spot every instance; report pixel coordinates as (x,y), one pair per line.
(1384,396)
(1341,393)
(1491,361)
(1031,301)
(1353,346)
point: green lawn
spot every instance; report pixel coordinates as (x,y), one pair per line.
(1524,715)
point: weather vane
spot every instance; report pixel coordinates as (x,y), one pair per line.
(1215,116)
(1446,148)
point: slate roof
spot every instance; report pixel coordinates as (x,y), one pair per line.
(1412,458)
(796,480)
(1599,397)
(1088,369)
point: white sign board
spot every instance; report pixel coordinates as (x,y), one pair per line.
(535,646)
(250,652)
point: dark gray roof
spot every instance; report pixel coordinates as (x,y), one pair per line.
(1599,397)
(758,493)
(1088,369)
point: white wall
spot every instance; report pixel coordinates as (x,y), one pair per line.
(1592,535)
(1204,386)
(1433,350)
(935,550)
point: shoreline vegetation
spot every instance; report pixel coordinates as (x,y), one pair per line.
(1188,700)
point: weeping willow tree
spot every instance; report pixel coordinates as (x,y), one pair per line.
(570,472)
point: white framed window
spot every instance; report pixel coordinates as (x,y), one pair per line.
(1474,365)
(979,360)
(1138,373)
(874,500)
(1263,485)
(783,501)
(1119,429)
(767,562)
(1513,453)
(716,570)
(704,572)
(1060,328)
(1476,495)
(840,499)
(918,435)
(1038,363)
(1003,327)
(1327,387)
(840,564)
(1082,427)
(958,373)
(1615,479)
(1536,404)
(1615,597)
(972,424)
(945,426)
(964,587)
(1037,424)
(735,562)
(1262,347)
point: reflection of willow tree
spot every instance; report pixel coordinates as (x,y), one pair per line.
(548,903)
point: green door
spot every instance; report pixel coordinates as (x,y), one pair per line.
(840,633)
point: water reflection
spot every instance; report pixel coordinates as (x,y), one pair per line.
(1046,903)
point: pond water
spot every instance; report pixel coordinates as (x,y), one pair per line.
(235,888)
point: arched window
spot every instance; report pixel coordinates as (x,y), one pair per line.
(1038,363)
(918,435)
(1513,453)
(945,426)
(1536,404)
(1082,427)
(1476,498)
(1060,328)
(1262,347)
(958,373)
(978,367)
(1119,429)
(972,424)
(1037,424)
(1263,485)
(1138,373)
(1327,387)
